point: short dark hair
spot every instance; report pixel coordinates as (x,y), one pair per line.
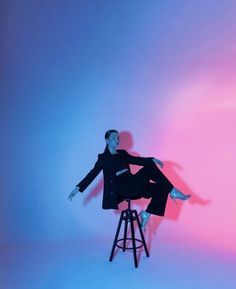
(109,132)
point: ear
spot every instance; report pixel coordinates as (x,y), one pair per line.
(106,141)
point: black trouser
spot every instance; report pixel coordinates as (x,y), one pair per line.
(139,186)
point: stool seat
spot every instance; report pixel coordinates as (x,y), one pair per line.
(127,217)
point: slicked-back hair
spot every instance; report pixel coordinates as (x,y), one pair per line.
(109,132)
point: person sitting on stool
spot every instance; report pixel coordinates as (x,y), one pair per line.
(121,184)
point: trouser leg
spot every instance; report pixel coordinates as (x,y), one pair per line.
(152,172)
(139,186)
(158,191)
(158,197)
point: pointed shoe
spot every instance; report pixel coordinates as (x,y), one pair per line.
(144,219)
(178,195)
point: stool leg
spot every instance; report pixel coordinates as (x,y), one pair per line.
(141,233)
(133,241)
(125,231)
(116,236)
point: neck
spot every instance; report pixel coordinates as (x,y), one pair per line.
(112,150)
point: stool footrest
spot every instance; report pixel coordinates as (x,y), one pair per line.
(129,248)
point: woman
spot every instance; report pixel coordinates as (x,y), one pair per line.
(120,184)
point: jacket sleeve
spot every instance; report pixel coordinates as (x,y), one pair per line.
(91,175)
(140,161)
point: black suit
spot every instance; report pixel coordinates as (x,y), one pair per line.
(137,186)
(105,163)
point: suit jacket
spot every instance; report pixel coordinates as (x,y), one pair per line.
(105,162)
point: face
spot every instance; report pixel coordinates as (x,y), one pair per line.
(113,140)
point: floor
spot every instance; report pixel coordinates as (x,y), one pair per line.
(174,262)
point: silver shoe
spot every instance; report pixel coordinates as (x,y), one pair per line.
(175,194)
(144,219)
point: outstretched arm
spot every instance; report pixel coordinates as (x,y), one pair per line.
(141,161)
(88,179)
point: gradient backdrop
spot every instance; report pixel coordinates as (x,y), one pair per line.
(161,72)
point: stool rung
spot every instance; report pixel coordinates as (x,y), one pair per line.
(129,248)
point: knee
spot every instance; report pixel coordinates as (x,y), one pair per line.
(149,164)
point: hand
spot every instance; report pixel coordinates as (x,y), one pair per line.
(73,193)
(158,162)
